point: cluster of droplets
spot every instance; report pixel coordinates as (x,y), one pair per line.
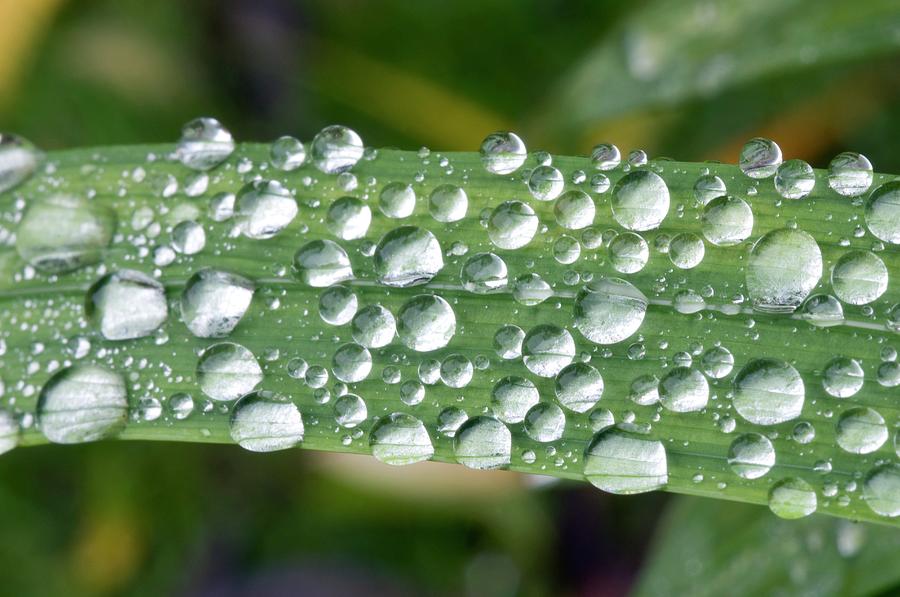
(398,290)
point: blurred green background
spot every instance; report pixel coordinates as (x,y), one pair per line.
(689,79)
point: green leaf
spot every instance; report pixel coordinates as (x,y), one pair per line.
(78,357)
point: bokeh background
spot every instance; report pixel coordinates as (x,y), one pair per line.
(687,79)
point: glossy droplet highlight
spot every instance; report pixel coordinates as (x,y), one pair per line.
(609,310)
(768,391)
(784,267)
(336,149)
(204,144)
(227,371)
(482,443)
(407,256)
(621,463)
(213,302)
(400,439)
(127,304)
(640,200)
(503,153)
(82,403)
(265,422)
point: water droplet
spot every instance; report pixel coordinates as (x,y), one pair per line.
(204,144)
(9,428)
(265,422)
(882,488)
(599,183)
(81,231)
(823,310)
(263,208)
(683,390)
(412,392)
(605,156)
(399,439)
(456,371)
(727,221)
(546,183)
(374,326)
(850,174)
(512,225)
(397,200)
(127,304)
(579,387)
(751,456)
(888,374)
(768,391)
(792,498)
(213,302)
(351,363)
(483,443)
(686,250)
(843,377)
(803,432)
(717,362)
(546,349)
(707,188)
(620,463)
(448,203)
(450,420)
(348,218)
(574,210)
(512,397)
(426,322)
(483,273)
(221,206)
(18,160)
(227,371)
(531,289)
(628,253)
(188,237)
(350,410)
(784,267)
(181,405)
(336,149)
(508,342)
(503,153)
(609,310)
(640,200)
(322,263)
(407,256)
(287,153)
(82,403)
(337,305)
(861,430)
(859,277)
(794,179)
(545,422)
(883,212)
(760,158)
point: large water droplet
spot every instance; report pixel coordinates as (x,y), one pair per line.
(640,200)
(400,439)
(503,153)
(881,490)
(792,498)
(686,250)
(265,422)
(348,218)
(127,304)
(350,410)
(512,225)
(683,390)
(18,160)
(717,362)
(850,174)
(609,310)
(883,212)
(531,289)
(768,391)
(545,422)
(322,263)
(794,179)
(204,144)
(397,200)
(751,456)
(546,349)
(213,302)
(620,463)
(448,203)
(823,310)
(605,156)
(263,208)
(407,256)
(426,322)
(351,363)
(82,403)
(784,267)
(511,398)
(628,253)
(707,188)
(574,210)
(546,183)
(61,233)
(335,149)
(861,430)
(579,387)
(337,305)
(374,326)
(859,277)
(287,153)
(760,158)
(483,273)
(727,221)
(482,443)
(227,371)
(843,377)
